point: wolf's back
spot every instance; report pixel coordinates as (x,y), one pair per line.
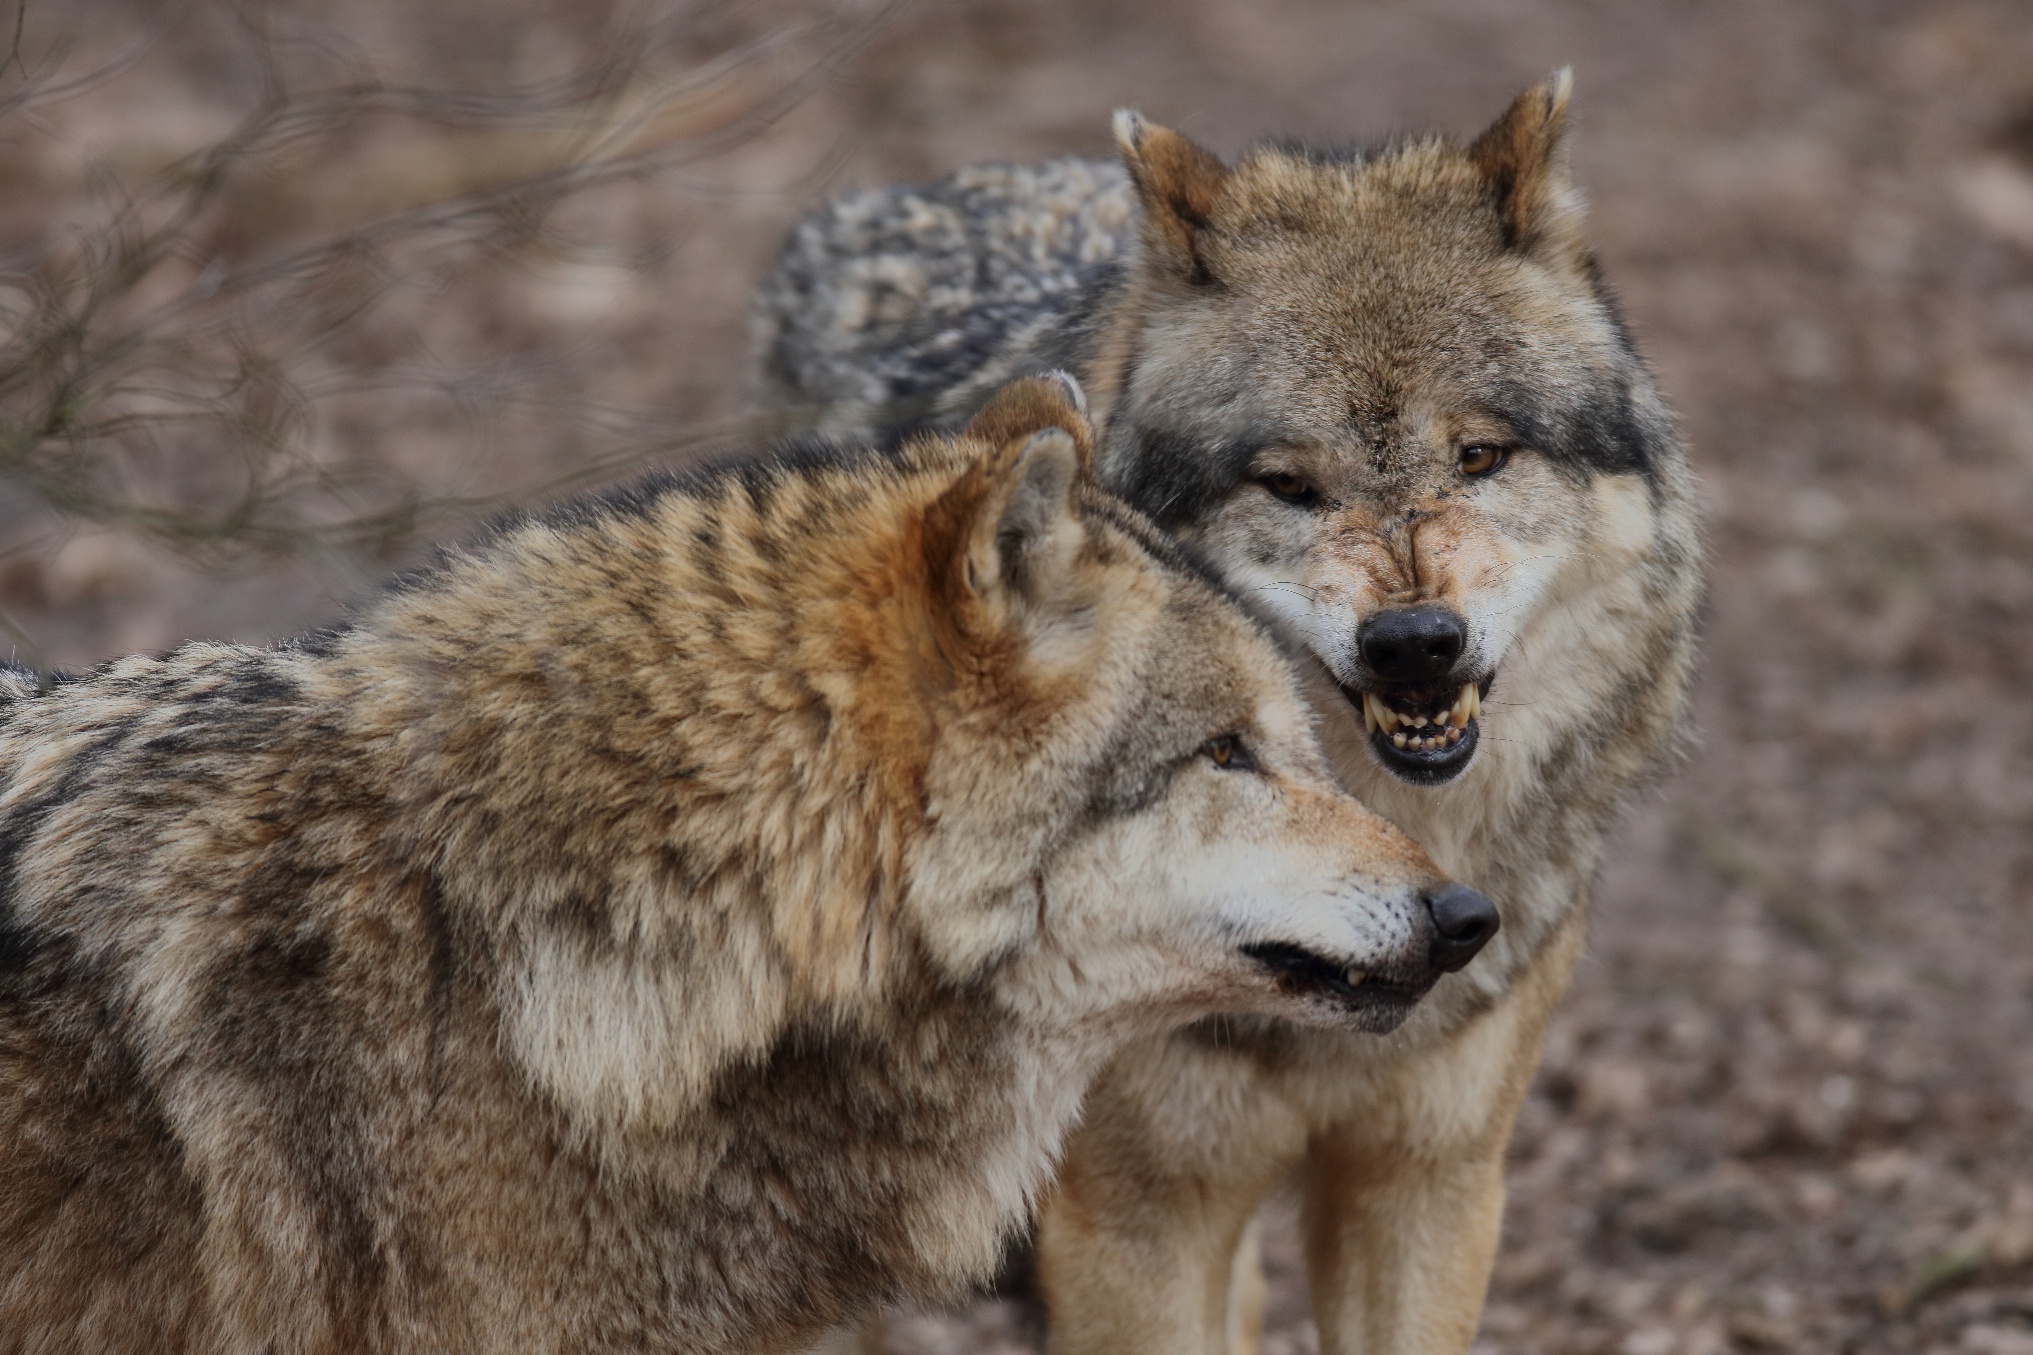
(885,302)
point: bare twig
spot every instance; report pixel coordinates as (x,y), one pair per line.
(159,381)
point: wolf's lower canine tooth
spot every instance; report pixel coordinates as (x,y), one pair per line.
(1399,738)
(1354,977)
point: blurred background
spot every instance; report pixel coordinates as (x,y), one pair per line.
(287,290)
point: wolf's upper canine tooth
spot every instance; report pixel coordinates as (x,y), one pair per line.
(1369,715)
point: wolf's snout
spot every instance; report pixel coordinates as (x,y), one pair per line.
(1463,923)
(1412,644)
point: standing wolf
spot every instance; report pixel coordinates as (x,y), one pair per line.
(1387,393)
(673,925)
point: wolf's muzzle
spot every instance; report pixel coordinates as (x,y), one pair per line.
(1421,710)
(1459,922)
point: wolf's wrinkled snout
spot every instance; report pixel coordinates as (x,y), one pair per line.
(1412,644)
(1463,923)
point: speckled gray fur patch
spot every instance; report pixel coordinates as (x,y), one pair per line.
(887,295)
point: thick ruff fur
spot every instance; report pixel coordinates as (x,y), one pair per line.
(674,924)
(1360,383)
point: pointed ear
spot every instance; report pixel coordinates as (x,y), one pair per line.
(1523,154)
(1035,403)
(1026,533)
(1177,183)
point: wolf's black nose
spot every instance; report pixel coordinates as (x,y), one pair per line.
(1412,644)
(1463,923)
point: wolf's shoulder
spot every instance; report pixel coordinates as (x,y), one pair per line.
(891,293)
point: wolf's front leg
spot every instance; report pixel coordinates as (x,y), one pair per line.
(1149,1281)
(1400,1254)
(1405,1202)
(1148,1230)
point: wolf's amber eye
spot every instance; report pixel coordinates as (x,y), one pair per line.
(1483,459)
(1291,488)
(1228,753)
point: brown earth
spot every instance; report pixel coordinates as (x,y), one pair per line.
(1789,1106)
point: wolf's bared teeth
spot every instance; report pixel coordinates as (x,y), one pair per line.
(1354,977)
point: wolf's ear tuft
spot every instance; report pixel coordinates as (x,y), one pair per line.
(1523,155)
(1177,184)
(1035,403)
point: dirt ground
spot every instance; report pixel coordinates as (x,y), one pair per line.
(1789,1105)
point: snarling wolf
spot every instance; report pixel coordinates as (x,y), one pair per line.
(1387,393)
(673,924)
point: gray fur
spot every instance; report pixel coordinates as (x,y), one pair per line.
(884,300)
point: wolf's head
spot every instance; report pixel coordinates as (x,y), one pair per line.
(1126,800)
(1387,392)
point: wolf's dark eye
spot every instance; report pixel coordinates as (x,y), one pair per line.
(1483,459)
(1291,488)
(1228,753)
